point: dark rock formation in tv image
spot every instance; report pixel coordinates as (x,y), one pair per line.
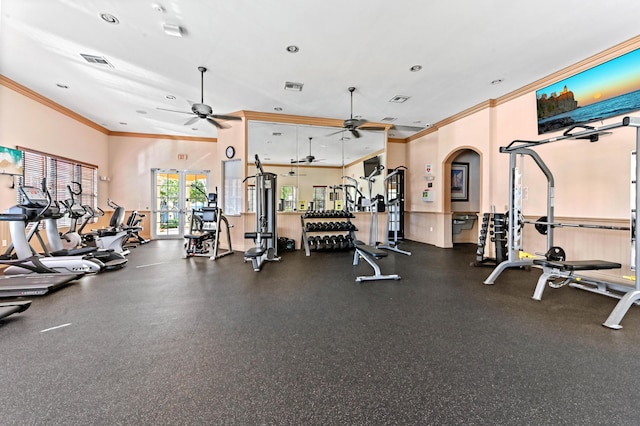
(556,104)
(553,105)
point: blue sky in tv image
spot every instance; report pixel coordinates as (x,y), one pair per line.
(605,81)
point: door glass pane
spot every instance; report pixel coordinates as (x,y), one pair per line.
(196,196)
(168,203)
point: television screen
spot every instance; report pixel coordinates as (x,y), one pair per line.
(370,165)
(10,161)
(606,90)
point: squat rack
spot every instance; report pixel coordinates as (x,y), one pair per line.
(520,148)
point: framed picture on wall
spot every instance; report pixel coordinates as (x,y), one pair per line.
(459,181)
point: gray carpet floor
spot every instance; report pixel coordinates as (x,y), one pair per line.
(172,341)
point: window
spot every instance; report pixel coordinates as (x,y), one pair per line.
(60,172)
(288,198)
(319,197)
(251,198)
(232,178)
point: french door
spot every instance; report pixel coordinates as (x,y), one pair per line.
(175,194)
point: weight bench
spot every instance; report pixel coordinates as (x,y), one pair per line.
(553,269)
(369,253)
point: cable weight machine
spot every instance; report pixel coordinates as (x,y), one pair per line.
(266,235)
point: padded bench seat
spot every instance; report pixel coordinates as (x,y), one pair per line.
(370,250)
(254,252)
(577,265)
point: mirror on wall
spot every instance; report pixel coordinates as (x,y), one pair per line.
(316,163)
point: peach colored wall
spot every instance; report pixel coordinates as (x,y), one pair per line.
(132,159)
(25,122)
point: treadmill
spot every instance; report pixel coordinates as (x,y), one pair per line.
(8,308)
(36,284)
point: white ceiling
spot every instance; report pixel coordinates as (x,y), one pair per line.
(462,46)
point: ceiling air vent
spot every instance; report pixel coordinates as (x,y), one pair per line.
(290,85)
(389,119)
(98,60)
(399,99)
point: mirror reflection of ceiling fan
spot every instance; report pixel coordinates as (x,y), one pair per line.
(309,158)
(291,172)
(202,110)
(354,125)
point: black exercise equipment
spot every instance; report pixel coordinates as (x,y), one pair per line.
(9,308)
(205,228)
(266,235)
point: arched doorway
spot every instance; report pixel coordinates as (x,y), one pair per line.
(462,193)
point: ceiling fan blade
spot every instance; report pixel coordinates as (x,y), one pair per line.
(372,128)
(335,133)
(360,122)
(225,117)
(355,133)
(215,123)
(191,120)
(173,110)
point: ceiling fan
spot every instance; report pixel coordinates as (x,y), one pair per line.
(202,110)
(309,158)
(291,172)
(354,125)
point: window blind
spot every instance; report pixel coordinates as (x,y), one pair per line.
(60,172)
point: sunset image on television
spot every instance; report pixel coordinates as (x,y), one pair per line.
(607,90)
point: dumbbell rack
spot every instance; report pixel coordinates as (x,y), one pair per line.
(340,234)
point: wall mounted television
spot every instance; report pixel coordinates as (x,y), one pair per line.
(606,90)
(10,161)
(370,165)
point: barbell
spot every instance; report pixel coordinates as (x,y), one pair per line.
(542,225)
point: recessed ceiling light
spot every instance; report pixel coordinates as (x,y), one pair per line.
(107,17)
(293,49)
(170,97)
(123,123)
(277,109)
(141,112)
(276,133)
(497,81)
(194,128)
(415,68)
(158,8)
(62,86)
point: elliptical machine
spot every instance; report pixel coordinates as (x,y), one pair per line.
(35,206)
(266,235)
(206,227)
(75,243)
